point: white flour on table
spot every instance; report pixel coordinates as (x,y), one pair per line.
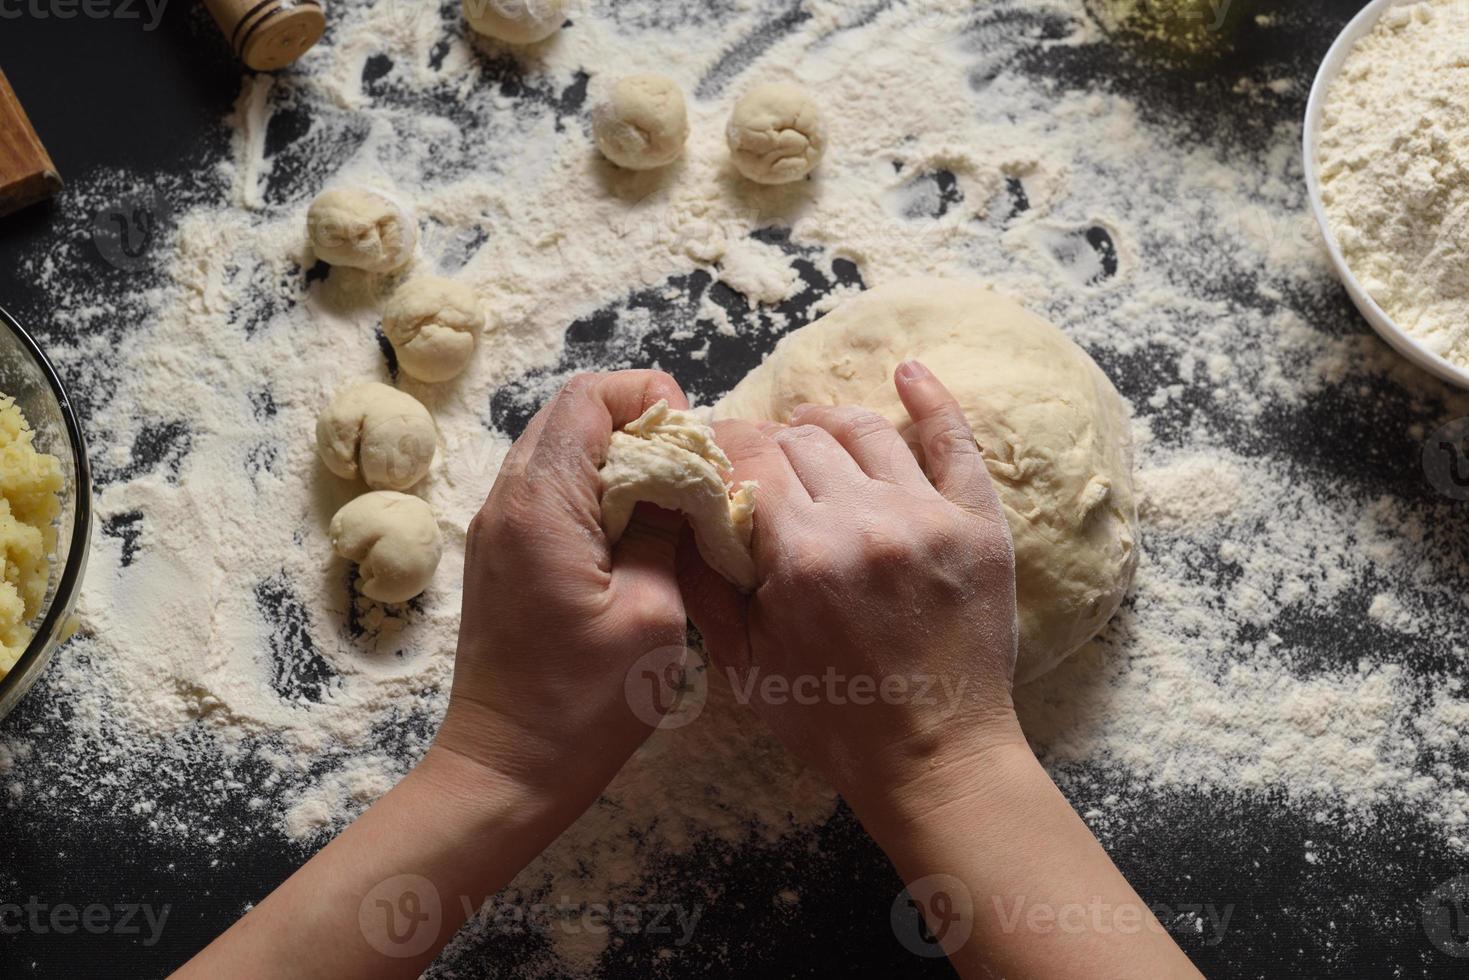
(223,667)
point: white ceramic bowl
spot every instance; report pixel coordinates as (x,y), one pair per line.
(1405,344)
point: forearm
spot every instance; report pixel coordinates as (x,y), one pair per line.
(381,899)
(1043,897)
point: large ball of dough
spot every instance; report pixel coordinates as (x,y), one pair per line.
(516,21)
(362,229)
(644,124)
(394,540)
(1055,435)
(432,323)
(380,433)
(776,133)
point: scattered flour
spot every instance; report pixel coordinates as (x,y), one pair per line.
(226,677)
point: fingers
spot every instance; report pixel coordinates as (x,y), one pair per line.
(549,477)
(782,498)
(824,467)
(717,608)
(954,462)
(580,420)
(868,438)
(623,391)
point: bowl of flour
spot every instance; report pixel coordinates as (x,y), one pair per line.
(1386,143)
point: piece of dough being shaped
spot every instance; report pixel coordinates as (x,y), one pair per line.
(1055,435)
(669,458)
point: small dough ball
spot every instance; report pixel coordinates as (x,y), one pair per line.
(361,229)
(378,432)
(644,124)
(432,323)
(776,134)
(1056,436)
(394,540)
(516,21)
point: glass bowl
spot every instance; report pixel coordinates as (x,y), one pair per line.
(29,378)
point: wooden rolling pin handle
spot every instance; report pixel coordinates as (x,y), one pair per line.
(269,34)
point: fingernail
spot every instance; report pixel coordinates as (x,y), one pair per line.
(911,370)
(800,410)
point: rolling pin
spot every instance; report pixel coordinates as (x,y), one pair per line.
(27,174)
(269,34)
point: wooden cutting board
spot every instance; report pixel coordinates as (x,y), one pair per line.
(27,174)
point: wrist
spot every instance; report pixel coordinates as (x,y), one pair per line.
(546,774)
(928,778)
(470,790)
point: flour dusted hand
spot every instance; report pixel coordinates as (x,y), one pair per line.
(669,458)
(432,323)
(361,229)
(776,133)
(556,616)
(377,432)
(394,540)
(886,604)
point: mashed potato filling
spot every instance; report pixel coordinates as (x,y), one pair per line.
(29,484)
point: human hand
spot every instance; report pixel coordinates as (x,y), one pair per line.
(553,617)
(880,644)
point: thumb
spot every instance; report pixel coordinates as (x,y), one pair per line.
(717,608)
